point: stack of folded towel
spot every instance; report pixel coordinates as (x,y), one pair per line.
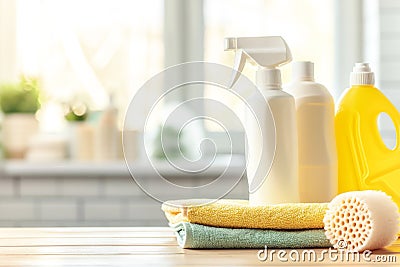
(235,224)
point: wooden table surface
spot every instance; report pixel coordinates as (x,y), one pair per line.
(136,246)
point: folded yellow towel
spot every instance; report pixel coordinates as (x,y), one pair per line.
(234,213)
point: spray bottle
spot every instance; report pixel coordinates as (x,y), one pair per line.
(279,131)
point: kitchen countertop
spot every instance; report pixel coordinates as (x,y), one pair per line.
(131,246)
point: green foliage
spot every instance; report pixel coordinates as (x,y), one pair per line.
(71,116)
(21,97)
(76,112)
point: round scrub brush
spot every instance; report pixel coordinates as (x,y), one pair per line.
(361,220)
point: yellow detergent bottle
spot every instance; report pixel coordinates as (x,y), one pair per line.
(364,161)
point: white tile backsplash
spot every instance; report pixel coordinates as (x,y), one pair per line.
(16,209)
(7,186)
(80,186)
(58,210)
(85,201)
(38,186)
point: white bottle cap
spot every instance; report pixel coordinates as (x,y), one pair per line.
(268,78)
(303,71)
(362,74)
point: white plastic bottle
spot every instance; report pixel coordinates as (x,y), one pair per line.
(316,135)
(106,136)
(278,135)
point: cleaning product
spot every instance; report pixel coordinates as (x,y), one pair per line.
(361,220)
(235,213)
(106,135)
(316,135)
(277,183)
(363,158)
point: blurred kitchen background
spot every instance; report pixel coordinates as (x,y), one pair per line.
(69,68)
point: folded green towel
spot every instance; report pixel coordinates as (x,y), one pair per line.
(190,235)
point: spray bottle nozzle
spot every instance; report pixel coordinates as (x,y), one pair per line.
(268,52)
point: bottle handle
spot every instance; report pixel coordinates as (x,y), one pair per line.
(395,117)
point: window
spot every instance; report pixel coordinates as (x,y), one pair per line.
(89,50)
(92,49)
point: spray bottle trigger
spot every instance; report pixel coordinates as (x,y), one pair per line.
(240,61)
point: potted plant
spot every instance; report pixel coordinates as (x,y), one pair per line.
(19,103)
